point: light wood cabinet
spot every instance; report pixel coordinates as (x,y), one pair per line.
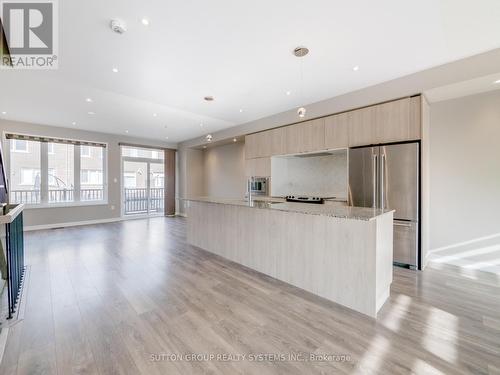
(258,167)
(399,120)
(278,141)
(258,145)
(362,129)
(392,121)
(415,117)
(306,136)
(337,131)
(263,144)
(251,146)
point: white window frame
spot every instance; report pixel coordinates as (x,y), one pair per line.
(44,188)
(50,148)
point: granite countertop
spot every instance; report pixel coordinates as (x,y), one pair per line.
(343,212)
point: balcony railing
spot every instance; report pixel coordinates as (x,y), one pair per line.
(55,195)
(136,200)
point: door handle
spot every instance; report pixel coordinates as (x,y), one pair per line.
(374,177)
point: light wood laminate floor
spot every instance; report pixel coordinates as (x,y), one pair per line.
(103,299)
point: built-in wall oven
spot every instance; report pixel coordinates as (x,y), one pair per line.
(259,185)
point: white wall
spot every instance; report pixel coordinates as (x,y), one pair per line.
(320,176)
(465,173)
(224,169)
(59,215)
(191,176)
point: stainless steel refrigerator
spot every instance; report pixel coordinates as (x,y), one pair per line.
(388,177)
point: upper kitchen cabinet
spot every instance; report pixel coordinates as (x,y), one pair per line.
(258,167)
(415,117)
(362,126)
(306,136)
(278,141)
(257,145)
(392,121)
(251,146)
(337,131)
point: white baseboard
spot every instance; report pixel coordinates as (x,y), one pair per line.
(71,224)
(90,222)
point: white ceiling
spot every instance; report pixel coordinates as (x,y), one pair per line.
(239,52)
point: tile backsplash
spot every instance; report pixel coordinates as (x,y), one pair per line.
(322,175)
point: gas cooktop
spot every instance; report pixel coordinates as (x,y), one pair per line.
(304,199)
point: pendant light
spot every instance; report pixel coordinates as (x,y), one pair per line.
(300,52)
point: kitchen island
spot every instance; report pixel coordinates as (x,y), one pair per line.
(341,253)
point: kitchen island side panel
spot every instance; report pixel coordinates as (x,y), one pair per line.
(331,257)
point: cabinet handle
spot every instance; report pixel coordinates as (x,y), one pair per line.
(402,225)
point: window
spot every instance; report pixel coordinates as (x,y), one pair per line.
(158,180)
(129,180)
(19,145)
(85,151)
(92,173)
(61,172)
(30,176)
(54,182)
(25,172)
(146,153)
(91,177)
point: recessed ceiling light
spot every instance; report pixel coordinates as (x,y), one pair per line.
(209,98)
(115,70)
(126,131)
(209,138)
(155,114)
(288,93)
(356,68)
(497,81)
(91,113)
(145,22)
(73,123)
(204,146)
(201,125)
(4,113)
(166,137)
(235,140)
(241,110)
(89,100)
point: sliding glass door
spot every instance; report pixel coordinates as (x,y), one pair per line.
(143,179)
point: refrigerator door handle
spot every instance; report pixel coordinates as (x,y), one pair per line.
(382,181)
(374,177)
